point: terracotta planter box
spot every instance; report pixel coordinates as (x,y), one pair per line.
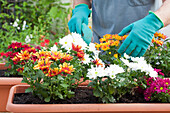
(90,108)
(5,84)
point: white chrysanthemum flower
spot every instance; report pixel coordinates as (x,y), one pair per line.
(27,39)
(54,48)
(139,63)
(92,48)
(95,72)
(74,38)
(153,74)
(86,59)
(77,40)
(66,42)
(113,70)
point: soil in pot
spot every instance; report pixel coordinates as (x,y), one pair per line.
(2,74)
(82,96)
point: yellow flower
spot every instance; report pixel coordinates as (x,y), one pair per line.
(116,43)
(102,40)
(110,52)
(97,46)
(116,55)
(105,46)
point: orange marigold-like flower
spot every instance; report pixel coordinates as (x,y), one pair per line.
(24,55)
(97,46)
(116,55)
(117,37)
(105,46)
(102,40)
(160,35)
(108,36)
(117,43)
(52,72)
(66,68)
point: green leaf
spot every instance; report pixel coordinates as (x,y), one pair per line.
(60,96)
(96,92)
(64,85)
(47,99)
(53,12)
(28,90)
(40,73)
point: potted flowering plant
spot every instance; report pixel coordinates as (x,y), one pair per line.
(123,77)
(10,70)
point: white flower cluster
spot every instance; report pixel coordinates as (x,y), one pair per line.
(99,71)
(74,38)
(17,26)
(28,38)
(139,63)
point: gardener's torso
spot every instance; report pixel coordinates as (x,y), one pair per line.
(111,16)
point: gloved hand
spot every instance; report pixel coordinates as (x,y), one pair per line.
(86,33)
(79,15)
(140,36)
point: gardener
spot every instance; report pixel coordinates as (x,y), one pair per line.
(111,16)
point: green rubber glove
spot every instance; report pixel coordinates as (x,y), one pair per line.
(140,36)
(80,15)
(86,33)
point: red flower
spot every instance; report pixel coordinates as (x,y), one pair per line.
(80,53)
(56,43)
(15,45)
(25,46)
(2,54)
(42,44)
(46,41)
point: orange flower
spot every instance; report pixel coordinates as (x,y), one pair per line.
(57,55)
(153,40)
(52,72)
(97,46)
(67,57)
(160,35)
(116,55)
(105,46)
(16,59)
(43,54)
(42,63)
(108,36)
(66,68)
(96,61)
(102,40)
(117,43)
(80,53)
(24,55)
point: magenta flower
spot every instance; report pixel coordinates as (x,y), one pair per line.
(161,87)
